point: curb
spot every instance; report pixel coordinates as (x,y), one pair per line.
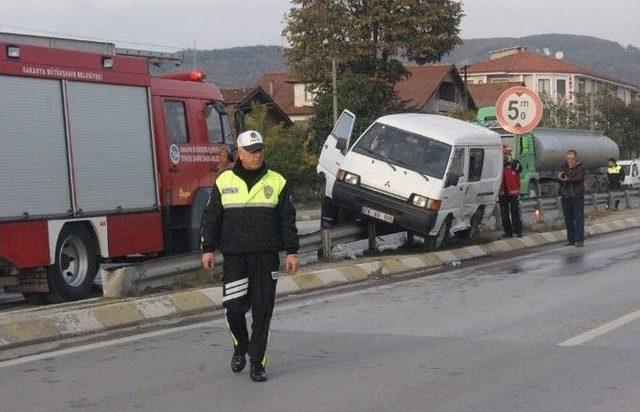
(39,328)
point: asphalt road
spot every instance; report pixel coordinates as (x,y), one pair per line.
(555,329)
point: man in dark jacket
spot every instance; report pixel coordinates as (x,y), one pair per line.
(249,218)
(571,177)
(509,195)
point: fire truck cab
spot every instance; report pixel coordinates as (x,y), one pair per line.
(99,161)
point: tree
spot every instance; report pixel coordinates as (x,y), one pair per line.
(370,41)
(286,150)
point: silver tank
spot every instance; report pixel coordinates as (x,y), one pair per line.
(551,145)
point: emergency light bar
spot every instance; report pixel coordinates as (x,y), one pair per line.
(192,76)
(13,52)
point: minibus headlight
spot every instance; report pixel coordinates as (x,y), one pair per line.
(351,178)
(420,201)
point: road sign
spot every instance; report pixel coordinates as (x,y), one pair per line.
(519,110)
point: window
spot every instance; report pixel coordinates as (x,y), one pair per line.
(476,161)
(175,115)
(309,95)
(448,92)
(561,89)
(544,86)
(634,171)
(457,163)
(344,126)
(405,149)
(214,125)
(228,133)
(582,86)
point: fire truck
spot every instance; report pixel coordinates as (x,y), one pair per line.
(99,162)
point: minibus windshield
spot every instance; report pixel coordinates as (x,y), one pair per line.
(405,149)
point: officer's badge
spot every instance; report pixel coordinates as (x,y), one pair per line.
(268,192)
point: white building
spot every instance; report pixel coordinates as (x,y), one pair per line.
(544,74)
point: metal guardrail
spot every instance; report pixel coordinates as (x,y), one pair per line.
(165,271)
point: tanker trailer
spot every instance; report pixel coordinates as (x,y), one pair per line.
(543,151)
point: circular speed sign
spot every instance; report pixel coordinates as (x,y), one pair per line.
(519,110)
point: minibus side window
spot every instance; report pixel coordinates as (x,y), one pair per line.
(476,161)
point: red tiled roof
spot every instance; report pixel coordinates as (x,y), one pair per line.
(236,95)
(487,94)
(413,90)
(525,61)
(283,93)
(421,83)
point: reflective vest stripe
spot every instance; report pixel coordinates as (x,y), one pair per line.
(613,170)
(265,193)
(251,204)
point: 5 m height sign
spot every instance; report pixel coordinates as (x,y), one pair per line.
(519,110)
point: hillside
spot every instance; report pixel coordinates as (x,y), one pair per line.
(241,66)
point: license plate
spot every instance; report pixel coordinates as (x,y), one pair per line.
(377,214)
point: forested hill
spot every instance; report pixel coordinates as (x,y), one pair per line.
(240,66)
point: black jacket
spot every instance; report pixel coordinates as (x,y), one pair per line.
(249,230)
(574,185)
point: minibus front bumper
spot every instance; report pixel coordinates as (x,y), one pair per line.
(406,215)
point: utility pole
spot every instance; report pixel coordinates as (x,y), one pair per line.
(334,82)
(194,60)
(326,232)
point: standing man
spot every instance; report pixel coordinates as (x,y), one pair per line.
(250,218)
(615,175)
(509,193)
(571,177)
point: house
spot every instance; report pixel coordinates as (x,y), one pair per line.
(543,74)
(291,96)
(433,88)
(240,100)
(486,95)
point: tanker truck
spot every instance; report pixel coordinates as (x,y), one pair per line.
(542,152)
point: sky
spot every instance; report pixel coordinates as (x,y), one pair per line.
(175,24)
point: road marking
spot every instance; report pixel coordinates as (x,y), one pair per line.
(601,330)
(314,300)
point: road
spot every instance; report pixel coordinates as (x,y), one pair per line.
(552,329)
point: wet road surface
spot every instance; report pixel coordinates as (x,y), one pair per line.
(554,329)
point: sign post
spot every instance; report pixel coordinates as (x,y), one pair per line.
(519,110)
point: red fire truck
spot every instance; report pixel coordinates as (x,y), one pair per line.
(99,161)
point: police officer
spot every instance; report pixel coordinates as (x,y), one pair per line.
(249,218)
(615,175)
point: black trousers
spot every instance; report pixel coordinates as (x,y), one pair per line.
(573,209)
(510,214)
(248,284)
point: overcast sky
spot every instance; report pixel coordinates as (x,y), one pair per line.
(228,23)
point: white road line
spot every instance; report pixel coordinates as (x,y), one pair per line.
(601,330)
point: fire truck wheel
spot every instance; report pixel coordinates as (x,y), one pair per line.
(76,265)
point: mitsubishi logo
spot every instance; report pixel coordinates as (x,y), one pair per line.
(387,184)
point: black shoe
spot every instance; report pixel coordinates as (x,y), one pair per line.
(257,372)
(579,244)
(518,234)
(238,363)
(569,243)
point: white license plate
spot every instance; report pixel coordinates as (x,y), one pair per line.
(377,214)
